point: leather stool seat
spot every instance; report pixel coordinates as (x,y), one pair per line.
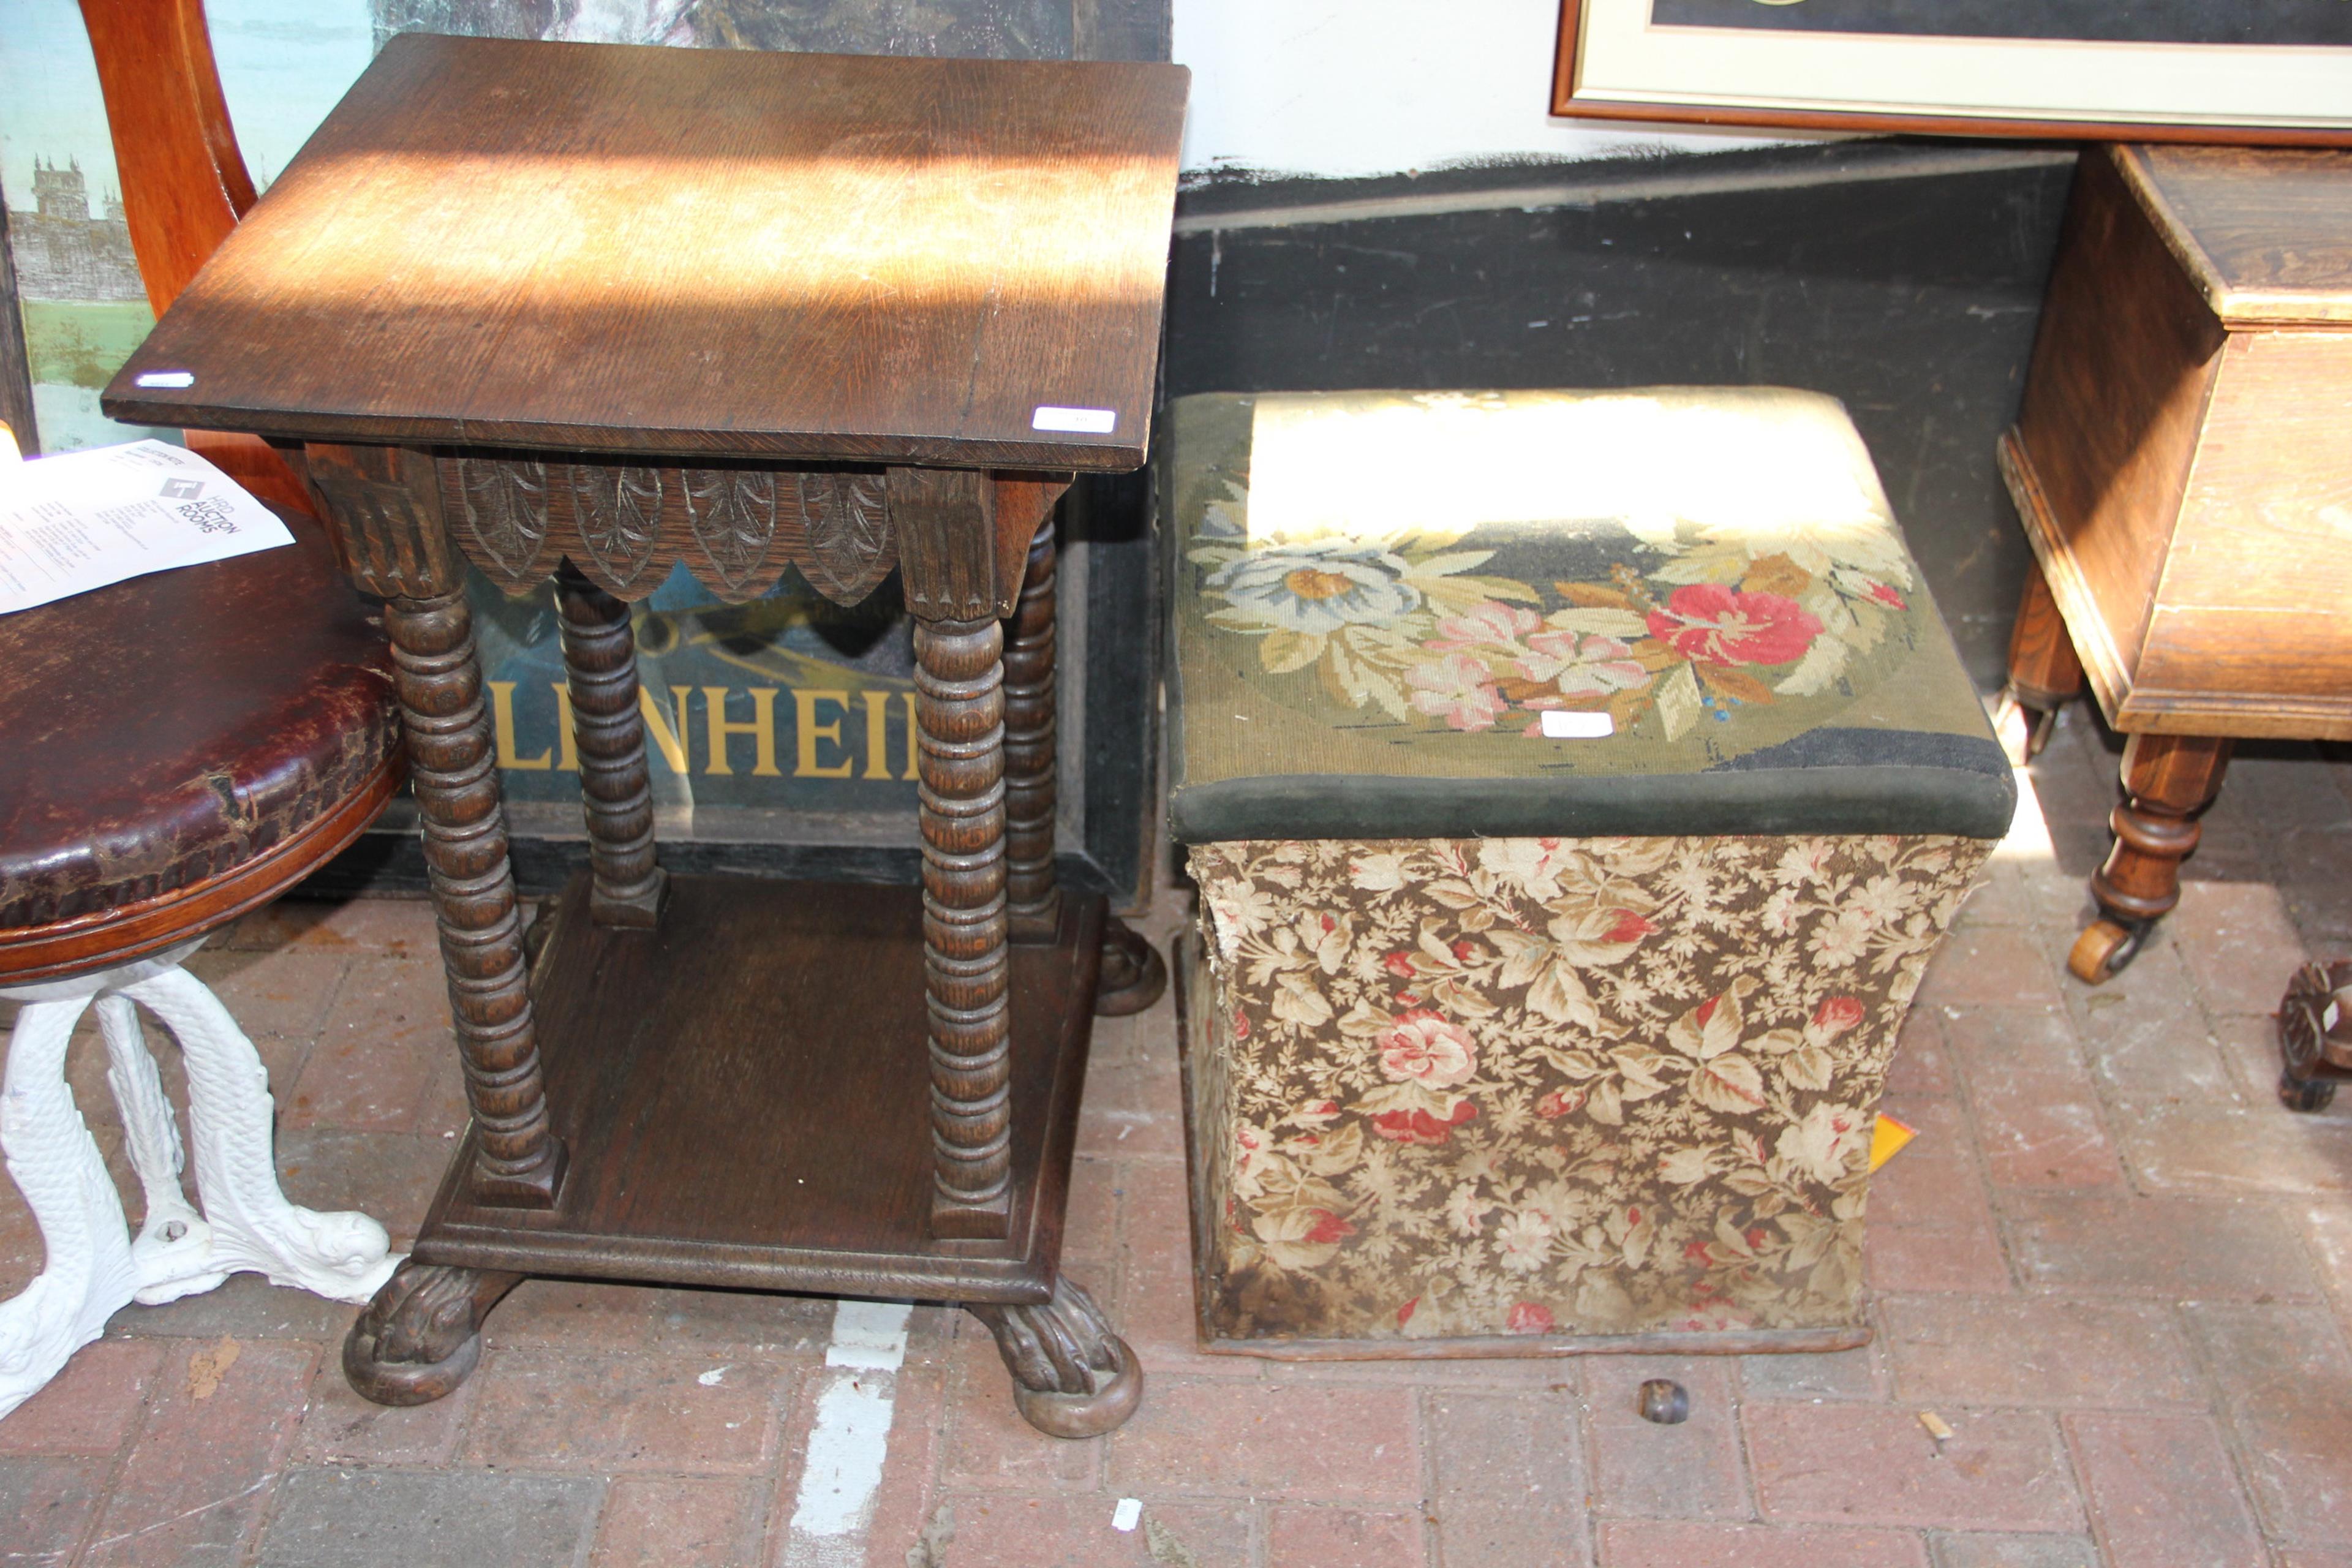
(182,747)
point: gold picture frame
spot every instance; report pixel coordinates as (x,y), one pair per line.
(2257,71)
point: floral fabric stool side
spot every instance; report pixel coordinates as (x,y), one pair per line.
(1577,785)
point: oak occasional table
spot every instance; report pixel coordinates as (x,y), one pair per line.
(2181,465)
(588,311)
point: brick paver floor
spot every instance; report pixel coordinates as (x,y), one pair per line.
(2112,1266)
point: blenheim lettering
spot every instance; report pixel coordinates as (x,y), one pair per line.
(836,733)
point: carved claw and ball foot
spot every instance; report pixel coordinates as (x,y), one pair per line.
(422,1335)
(1133,973)
(1072,1377)
(2314,1029)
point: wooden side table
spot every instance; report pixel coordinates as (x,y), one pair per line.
(587,312)
(2181,464)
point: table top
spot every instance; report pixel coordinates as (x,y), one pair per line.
(601,248)
(2265,232)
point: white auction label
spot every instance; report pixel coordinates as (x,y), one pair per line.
(166,378)
(1081,421)
(83,519)
(1560,724)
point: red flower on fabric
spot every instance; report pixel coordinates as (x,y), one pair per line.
(1560,1102)
(1887,597)
(1420,1126)
(1715,624)
(1398,963)
(1529,1318)
(1837,1015)
(1404,1313)
(1629,927)
(1329,1228)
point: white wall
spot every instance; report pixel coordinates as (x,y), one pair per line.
(1375,86)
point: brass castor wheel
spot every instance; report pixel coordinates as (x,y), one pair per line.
(2106,949)
(2310,1016)
(2022,731)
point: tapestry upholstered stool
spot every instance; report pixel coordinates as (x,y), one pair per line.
(1577,785)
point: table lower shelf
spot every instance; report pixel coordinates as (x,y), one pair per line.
(745,1096)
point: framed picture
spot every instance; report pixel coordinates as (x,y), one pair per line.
(2277,71)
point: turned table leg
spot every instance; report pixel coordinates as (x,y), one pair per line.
(418,1339)
(2168,781)
(1072,1376)
(617,790)
(960,717)
(2044,674)
(1034,897)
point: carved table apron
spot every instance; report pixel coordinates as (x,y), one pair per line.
(974,548)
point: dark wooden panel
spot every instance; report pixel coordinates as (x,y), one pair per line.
(2113,400)
(662,250)
(745,1094)
(2223,210)
(1902,278)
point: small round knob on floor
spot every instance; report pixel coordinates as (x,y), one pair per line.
(1666,1402)
(2305,1094)
(1133,973)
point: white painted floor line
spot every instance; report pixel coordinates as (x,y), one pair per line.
(850,1439)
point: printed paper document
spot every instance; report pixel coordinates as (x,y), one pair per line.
(83,519)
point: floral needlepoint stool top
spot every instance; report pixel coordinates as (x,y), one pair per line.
(1384,587)
(1577,785)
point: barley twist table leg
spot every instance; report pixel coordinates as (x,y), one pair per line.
(1035,898)
(959,711)
(600,661)
(517,1160)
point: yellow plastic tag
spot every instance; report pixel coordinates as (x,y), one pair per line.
(1886,1140)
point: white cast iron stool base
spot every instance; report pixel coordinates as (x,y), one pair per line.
(94,1268)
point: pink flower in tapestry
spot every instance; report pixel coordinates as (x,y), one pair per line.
(1458,689)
